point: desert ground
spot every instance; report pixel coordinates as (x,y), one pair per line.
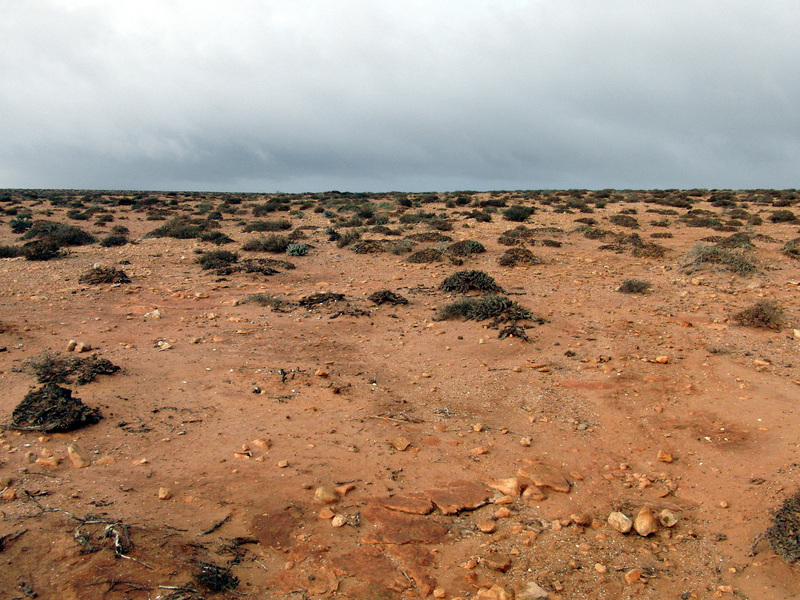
(546,394)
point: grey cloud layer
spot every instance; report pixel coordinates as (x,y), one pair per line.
(366,95)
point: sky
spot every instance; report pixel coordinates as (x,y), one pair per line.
(406,95)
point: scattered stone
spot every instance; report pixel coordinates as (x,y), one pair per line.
(164,493)
(282,464)
(534,493)
(71,345)
(263,443)
(662,360)
(667,518)
(82,347)
(723,504)
(339,521)
(322,373)
(544,476)
(496,592)
(163,345)
(345,489)
(326,495)
(479,451)
(525,442)
(601,568)
(496,562)
(439,593)
(645,522)
(487,527)
(633,576)
(510,486)
(79,458)
(400,443)
(502,513)
(582,519)
(326,513)
(664,456)
(153,314)
(620,522)
(9,495)
(51,461)
(532,591)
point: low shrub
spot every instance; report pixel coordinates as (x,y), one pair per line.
(114,239)
(518,213)
(783,216)
(634,286)
(624,221)
(465,248)
(276,244)
(518,256)
(41,250)
(10,251)
(217,259)
(735,261)
(465,281)
(296,249)
(764,314)
(492,306)
(268,225)
(97,275)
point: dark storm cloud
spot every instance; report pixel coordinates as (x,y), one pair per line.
(371,95)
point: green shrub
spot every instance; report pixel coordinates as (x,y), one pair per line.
(518,256)
(60,234)
(466,248)
(518,213)
(296,249)
(277,244)
(20,224)
(624,221)
(465,281)
(114,239)
(181,228)
(491,306)
(41,250)
(217,259)
(783,216)
(792,248)
(215,237)
(10,251)
(268,225)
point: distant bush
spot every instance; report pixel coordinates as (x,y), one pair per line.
(97,275)
(268,225)
(41,250)
(296,249)
(634,286)
(466,281)
(783,216)
(479,309)
(518,256)
(10,251)
(181,228)
(518,213)
(764,314)
(277,244)
(624,221)
(215,237)
(466,248)
(114,239)
(347,239)
(217,259)
(426,256)
(60,234)
(792,248)
(735,261)
(20,225)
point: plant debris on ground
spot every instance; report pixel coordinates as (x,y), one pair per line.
(764,314)
(98,275)
(492,306)
(387,297)
(55,367)
(784,533)
(52,408)
(466,281)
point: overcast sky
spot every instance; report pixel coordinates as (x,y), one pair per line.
(380,95)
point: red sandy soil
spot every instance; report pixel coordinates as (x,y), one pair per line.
(398,410)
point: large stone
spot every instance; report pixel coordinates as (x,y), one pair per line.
(510,486)
(645,522)
(545,476)
(411,504)
(79,458)
(326,495)
(496,592)
(620,522)
(391,527)
(458,496)
(532,591)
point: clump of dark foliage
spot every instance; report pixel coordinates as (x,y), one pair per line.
(59,234)
(792,248)
(784,533)
(217,259)
(518,256)
(41,250)
(634,286)
(732,260)
(321,298)
(425,256)
(387,297)
(465,248)
(52,408)
(465,281)
(54,367)
(492,306)
(276,244)
(276,303)
(98,275)
(764,314)
(216,578)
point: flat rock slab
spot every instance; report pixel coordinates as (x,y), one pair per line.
(545,476)
(415,561)
(458,496)
(414,504)
(274,529)
(391,527)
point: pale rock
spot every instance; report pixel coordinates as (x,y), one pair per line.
(479,451)
(9,495)
(496,592)
(532,591)
(601,568)
(46,452)
(52,461)
(339,521)
(263,443)
(80,459)
(510,486)
(667,518)
(82,347)
(322,373)
(645,522)
(502,513)
(400,443)
(633,576)
(620,522)
(582,519)
(282,464)
(164,493)
(71,345)
(439,593)
(326,495)
(153,314)
(664,456)
(345,489)
(525,442)
(163,345)
(487,527)
(662,360)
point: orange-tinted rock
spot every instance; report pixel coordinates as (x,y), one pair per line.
(545,476)
(391,527)
(414,505)
(458,496)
